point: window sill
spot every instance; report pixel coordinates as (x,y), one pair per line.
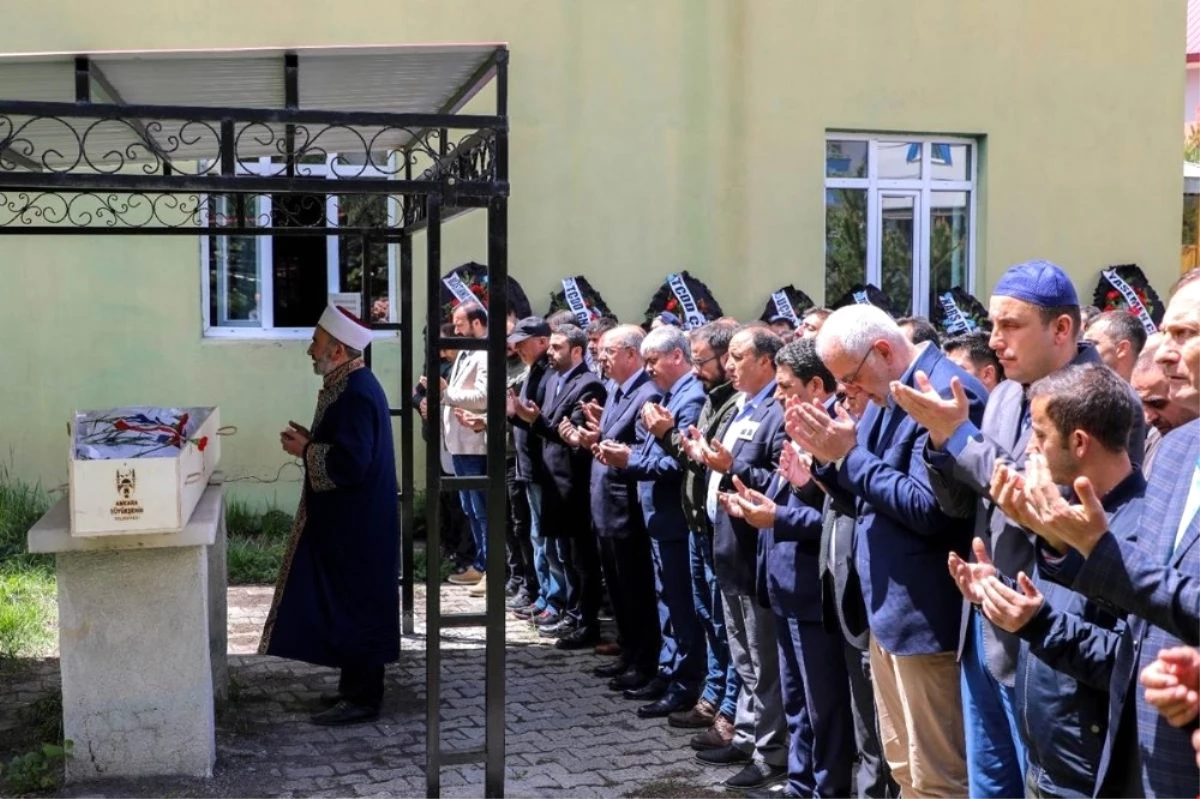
(277,334)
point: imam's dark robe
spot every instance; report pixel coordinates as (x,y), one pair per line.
(336,602)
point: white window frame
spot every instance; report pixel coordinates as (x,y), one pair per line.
(265,328)
(923,187)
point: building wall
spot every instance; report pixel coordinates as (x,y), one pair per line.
(647,137)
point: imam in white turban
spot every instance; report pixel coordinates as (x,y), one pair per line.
(345,327)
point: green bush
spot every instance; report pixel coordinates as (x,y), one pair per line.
(21,505)
(257,540)
(27,610)
(38,771)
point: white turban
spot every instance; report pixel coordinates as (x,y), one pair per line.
(345,327)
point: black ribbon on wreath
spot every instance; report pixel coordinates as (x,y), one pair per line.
(1125,288)
(789,302)
(864,294)
(956,312)
(579,297)
(469,283)
(685,297)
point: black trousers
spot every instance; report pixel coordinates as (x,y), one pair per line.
(362,685)
(583,580)
(629,571)
(519,544)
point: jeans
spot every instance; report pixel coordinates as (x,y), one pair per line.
(546,564)
(722,684)
(474,503)
(995,752)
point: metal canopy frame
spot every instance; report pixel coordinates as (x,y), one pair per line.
(114,168)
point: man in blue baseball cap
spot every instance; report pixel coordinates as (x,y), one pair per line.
(1035,314)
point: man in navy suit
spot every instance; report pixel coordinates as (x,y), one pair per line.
(566,481)
(667,355)
(747,447)
(620,529)
(1153,573)
(903,538)
(816,686)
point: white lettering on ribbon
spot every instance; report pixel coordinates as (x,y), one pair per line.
(691,311)
(956,320)
(460,290)
(861,298)
(783,306)
(1131,297)
(574,299)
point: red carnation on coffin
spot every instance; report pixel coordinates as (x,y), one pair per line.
(202,444)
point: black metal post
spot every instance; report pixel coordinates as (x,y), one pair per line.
(291,100)
(408,443)
(433,489)
(497,505)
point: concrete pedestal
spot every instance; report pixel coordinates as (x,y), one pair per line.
(142,634)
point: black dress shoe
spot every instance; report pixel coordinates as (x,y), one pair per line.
(665,706)
(725,756)
(565,626)
(614,669)
(629,680)
(329,699)
(655,689)
(343,714)
(521,600)
(579,638)
(776,791)
(756,775)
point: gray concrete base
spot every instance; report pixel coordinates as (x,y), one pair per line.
(142,639)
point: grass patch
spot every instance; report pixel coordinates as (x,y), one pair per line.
(27,589)
(256,543)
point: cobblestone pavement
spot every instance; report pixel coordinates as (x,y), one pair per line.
(568,735)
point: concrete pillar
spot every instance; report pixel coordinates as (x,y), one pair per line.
(142,644)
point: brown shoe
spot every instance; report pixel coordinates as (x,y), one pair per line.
(469,577)
(702,715)
(608,648)
(718,736)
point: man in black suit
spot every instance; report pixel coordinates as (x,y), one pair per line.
(625,558)
(748,447)
(571,548)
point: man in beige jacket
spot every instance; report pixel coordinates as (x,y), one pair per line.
(467,389)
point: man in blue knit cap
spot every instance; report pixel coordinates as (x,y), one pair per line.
(1035,315)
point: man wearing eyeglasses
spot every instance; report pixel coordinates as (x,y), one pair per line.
(903,538)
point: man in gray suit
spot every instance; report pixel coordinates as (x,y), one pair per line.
(1036,323)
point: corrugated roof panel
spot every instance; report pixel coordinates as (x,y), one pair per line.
(235,82)
(45,81)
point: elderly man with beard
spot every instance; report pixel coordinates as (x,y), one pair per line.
(715,710)
(335,601)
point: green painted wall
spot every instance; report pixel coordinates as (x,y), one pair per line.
(646,137)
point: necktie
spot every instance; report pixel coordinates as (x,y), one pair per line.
(619,395)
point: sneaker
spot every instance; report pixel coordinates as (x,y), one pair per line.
(521,600)
(470,577)
(479,589)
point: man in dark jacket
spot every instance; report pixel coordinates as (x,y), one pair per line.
(748,448)
(666,353)
(565,502)
(714,712)
(616,516)
(531,340)
(1035,310)
(1081,417)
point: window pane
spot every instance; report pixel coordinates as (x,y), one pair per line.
(950,161)
(845,241)
(364,211)
(896,249)
(845,159)
(899,159)
(299,261)
(949,241)
(234,292)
